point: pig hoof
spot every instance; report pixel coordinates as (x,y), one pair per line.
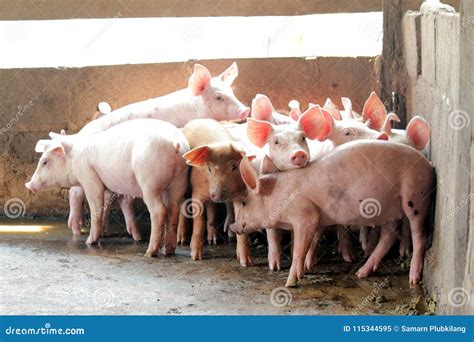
(404,251)
(274,266)
(291,283)
(150,254)
(362,273)
(196,255)
(246,262)
(90,241)
(348,257)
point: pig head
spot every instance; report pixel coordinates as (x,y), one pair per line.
(220,162)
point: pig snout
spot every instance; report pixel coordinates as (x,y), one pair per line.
(299,158)
(30,186)
(244,113)
(220,195)
(238,228)
(382,136)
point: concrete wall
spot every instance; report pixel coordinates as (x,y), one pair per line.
(36,101)
(67,9)
(433,42)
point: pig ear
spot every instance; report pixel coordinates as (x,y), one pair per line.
(332,108)
(56,136)
(42,145)
(229,74)
(262,108)
(295,110)
(249,175)
(56,147)
(347,104)
(316,123)
(198,156)
(267,166)
(294,114)
(387,125)
(199,80)
(418,132)
(374,112)
(258,131)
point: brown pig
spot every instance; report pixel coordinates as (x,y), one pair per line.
(215,177)
(398,178)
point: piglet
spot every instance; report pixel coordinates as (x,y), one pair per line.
(326,193)
(215,178)
(139,158)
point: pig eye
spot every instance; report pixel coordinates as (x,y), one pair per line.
(244,203)
(209,168)
(303,138)
(275,141)
(219,97)
(234,167)
(44,163)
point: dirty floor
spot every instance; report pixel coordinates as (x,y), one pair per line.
(49,271)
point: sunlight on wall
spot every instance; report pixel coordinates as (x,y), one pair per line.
(84,42)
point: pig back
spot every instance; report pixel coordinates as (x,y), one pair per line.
(205,132)
(360,171)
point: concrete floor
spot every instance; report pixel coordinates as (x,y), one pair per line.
(52,272)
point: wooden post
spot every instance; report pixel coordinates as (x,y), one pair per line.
(393,76)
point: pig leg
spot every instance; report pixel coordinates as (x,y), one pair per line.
(157,211)
(211,224)
(387,239)
(364,237)
(229,219)
(76,214)
(199,225)
(417,216)
(176,195)
(345,243)
(243,250)
(126,204)
(312,255)
(274,248)
(94,191)
(304,233)
(108,201)
(374,236)
(182,230)
(405,240)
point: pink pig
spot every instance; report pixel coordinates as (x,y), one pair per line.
(326,193)
(205,97)
(139,158)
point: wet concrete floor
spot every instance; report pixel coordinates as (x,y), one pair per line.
(49,271)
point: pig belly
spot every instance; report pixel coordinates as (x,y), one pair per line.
(370,211)
(123,186)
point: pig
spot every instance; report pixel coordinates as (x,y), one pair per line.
(417,135)
(338,129)
(215,177)
(139,158)
(205,97)
(326,193)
